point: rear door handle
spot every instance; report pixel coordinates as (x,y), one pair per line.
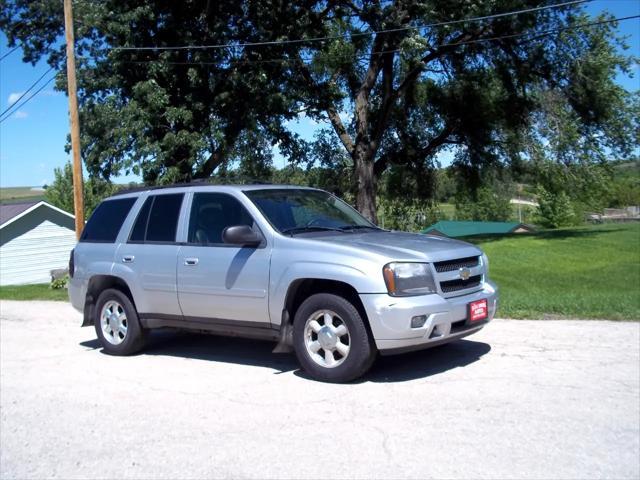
(191,261)
(128,258)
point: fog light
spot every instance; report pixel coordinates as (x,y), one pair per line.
(418,321)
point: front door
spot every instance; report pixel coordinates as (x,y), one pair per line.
(218,282)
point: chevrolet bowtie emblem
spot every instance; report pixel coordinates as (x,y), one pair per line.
(465,273)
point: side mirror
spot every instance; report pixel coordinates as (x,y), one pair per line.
(241,235)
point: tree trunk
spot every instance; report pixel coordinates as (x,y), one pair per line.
(366,198)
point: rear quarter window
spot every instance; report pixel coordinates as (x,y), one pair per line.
(157,221)
(106,221)
(163,218)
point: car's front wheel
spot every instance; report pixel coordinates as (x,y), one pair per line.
(117,324)
(331,339)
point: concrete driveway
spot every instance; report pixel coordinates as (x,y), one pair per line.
(521,399)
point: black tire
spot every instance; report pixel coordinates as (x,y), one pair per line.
(134,339)
(362,351)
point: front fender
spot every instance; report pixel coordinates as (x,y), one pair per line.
(318,270)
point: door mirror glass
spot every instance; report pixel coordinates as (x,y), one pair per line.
(241,235)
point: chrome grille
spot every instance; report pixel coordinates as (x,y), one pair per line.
(459,284)
(457,264)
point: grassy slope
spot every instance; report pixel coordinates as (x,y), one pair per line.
(19,194)
(587,272)
(33,292)
(448,209)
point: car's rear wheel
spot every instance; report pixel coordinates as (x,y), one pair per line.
(331,339)
(117,324)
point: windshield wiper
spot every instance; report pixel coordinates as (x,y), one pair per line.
(358,227)
(310,228)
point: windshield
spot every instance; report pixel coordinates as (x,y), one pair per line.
(291,210)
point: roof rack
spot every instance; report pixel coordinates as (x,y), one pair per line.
(144,188)
(193,183)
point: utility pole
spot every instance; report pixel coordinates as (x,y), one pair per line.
(78,191)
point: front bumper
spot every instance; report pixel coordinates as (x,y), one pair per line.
(390,318)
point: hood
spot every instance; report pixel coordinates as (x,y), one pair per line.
(404,246)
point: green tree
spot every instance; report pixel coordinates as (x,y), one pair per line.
(411,91)
(60,192)
(490,204)
(625,186)
(170,115)
(555,209)
(395,82)
(407,215)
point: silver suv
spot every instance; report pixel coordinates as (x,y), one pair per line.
(294,265)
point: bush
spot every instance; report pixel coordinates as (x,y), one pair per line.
(60,283)
(490,206)
(555,209)
(407,215)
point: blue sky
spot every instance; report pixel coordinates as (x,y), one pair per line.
(32,140)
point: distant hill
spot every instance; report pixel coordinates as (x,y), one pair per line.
(627,169)
(21,194)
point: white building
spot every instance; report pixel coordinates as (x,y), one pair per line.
(35,238)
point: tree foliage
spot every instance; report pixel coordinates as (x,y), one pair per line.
(395,83)
(412,93)
(490,205)
(60,192)
(555,209)
(170,115)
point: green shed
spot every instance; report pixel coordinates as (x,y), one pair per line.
(450,228)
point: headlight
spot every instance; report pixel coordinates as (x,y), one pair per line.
(485,262)
(406,279)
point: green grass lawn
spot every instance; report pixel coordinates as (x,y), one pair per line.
(586,272)
(40,291)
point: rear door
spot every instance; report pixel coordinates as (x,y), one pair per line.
(150,254)
(218,282)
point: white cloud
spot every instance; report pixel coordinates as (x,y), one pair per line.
(20,114)
(13,97)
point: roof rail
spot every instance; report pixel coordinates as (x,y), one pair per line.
(144,188)
(192,183)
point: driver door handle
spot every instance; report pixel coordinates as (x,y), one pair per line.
(191,261)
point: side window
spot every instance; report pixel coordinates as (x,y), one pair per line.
(211,213)
(158,219)
(106,221)
(140,227)
(163,218)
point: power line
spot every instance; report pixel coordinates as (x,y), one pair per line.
(336,37)
(544,33)
(533,35)
(26,91)
(9,52)
(17,107)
